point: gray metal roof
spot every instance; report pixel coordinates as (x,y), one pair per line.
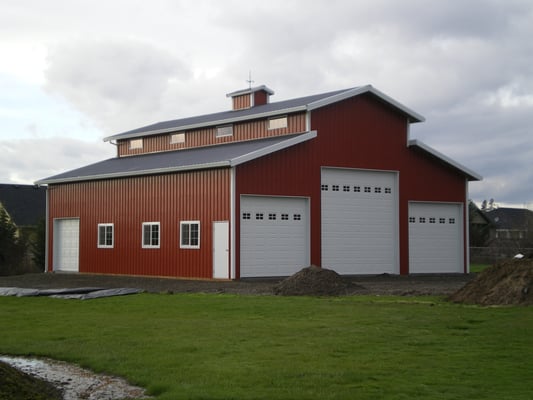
(417,144)
(263,111)
(223,155)
(510,218)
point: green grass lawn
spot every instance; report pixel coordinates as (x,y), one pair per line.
(478,267)
(199,346)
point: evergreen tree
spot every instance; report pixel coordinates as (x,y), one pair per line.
(38,245)
(11,246)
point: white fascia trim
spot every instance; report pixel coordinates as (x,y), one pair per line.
(446,159)
(273,148)
(414,116)
(250,90)
(154,171)
(225,121)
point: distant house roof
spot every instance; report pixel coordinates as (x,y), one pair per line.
(510,218)
(223,155)
(25,204)
(307,103)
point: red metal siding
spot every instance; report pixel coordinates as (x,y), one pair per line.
(360,132)
(260,98)
(127,203)
(205,137)
(243,101)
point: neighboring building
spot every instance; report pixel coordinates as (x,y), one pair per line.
(479,226)
(25,205)
(263,190)
(510,224)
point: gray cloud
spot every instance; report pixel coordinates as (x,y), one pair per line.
(117,82)
(27,160)
(465,67)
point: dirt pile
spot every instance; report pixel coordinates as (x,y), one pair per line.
(15,385)
(506,283)
(314,281)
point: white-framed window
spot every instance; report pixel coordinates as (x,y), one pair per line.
(223,131)
(277,123)
(106,239)
(177,138)
(136,144)
(151,235)
(190,234)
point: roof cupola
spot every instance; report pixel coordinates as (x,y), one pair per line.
(251,97)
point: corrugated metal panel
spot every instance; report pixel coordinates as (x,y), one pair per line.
(127,203)
(260,98)
(359,132)
(205,137)
(240,102)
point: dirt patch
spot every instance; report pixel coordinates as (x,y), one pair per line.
(384,284)
(315,281)
(72,381)
(506,283)
(16,385)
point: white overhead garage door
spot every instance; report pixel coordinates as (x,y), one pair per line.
(66,245)
(359,221)
(435,238)
(274,235)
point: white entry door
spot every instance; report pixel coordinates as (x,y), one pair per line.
(66,245)
(221,250)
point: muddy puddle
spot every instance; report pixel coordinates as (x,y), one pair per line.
(75,382)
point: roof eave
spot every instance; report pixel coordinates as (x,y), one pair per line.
(273,148)
(471,175)
(154,171)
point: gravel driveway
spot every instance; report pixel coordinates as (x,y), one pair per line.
(375,285)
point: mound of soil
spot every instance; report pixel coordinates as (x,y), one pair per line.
(314,281)
(506,283)
(16,385)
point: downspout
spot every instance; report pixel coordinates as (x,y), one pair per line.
(46,235)
(466,241)
(232,223)
(114,144)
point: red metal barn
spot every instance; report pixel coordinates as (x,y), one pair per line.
(263,190)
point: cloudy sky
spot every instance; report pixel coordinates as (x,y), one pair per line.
(75,71)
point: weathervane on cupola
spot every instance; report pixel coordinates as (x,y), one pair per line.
(249,80)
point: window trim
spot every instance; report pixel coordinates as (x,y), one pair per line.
(151,246)
(188,245)
(105,245)
(222,128)
(283,120)
(177,138)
